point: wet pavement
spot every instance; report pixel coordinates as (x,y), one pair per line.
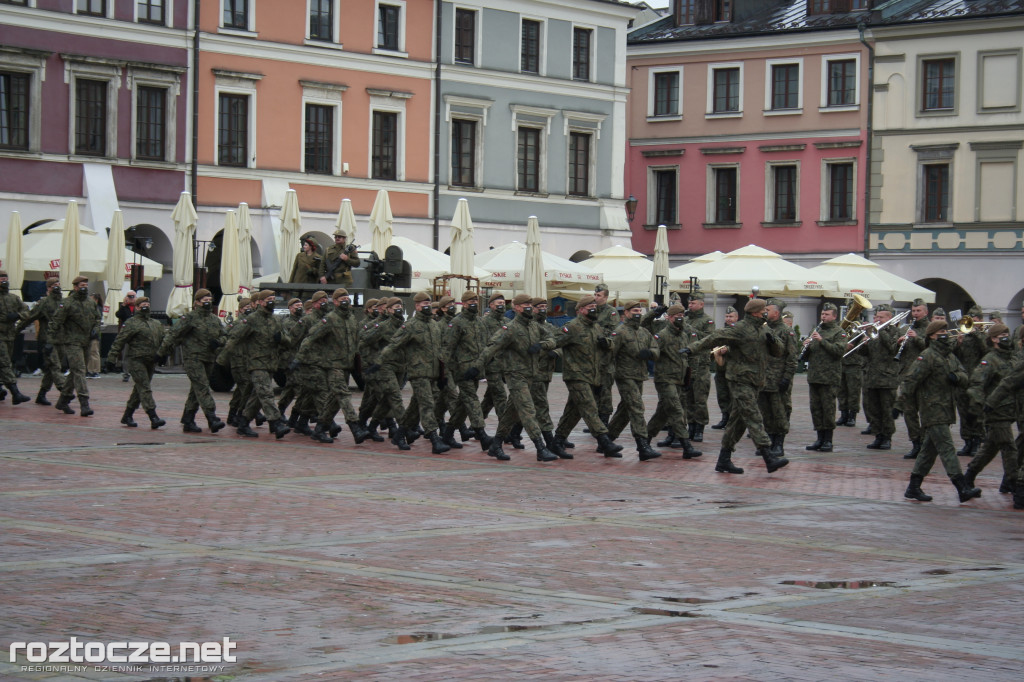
(346,562)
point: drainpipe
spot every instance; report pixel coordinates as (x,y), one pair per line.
(195,104)
(437,126)
(861,28)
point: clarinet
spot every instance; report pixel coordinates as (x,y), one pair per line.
(903,344)
(808,344)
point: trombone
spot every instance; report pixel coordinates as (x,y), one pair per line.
(969,325)
(868,332)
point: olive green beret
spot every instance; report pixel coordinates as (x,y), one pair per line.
(420,297)
(830,306)
(935,326)
(339,292)
(585,301)
(470,296)
(778,303)
(997,329)
(755,305)
(522,299)
(675,310)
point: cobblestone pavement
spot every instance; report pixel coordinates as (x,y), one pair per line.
(345,562)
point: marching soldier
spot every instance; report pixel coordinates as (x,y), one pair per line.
(495,394)
(447,393)
(1011,387)
(825,349)
(787,399)
(235,361)
(288,325)
(911,345)
(998,420)
(970,348)
(700,371)
(670,372)
(850,387)
(74,325)
(12,309)
(721,383)
(466,342)
(310,381)
(308,263)
(542,381)
(369,354)
(632,347)
(142,335)
(781,370)
(608,318)
(387,373)
(341,258)
(881,378)
(43,312)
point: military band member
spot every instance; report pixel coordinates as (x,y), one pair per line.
(970,348)
(881,378)
(850,388)
(912,343)
(825,349)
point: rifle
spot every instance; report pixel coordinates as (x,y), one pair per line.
(337,262)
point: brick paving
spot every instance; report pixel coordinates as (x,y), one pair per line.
(345,562)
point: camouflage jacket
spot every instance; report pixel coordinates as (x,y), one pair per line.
(579,343)
(199,332)
(513,342)
(388,328)
(76,321)
(492,323)
(141,335)
(914,347)
(236,354)
(703,324)
(986,376)
(261,332)
(782,366)
(465,342)
(971,348)
(928,381)
(824,358)
(750,343)
(289,326)
(370,336)
(881,369)
(341,273)
(1011,385)
(671,366)
(43,311)
(332,341)
(545,361)
(416,346)
(628,339)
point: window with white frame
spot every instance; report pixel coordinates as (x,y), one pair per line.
(152,11)
(840,82)
(21,76)
(839,191)
(782,199)
(323,20)
(321,125)
(725,89)
(390,26)
(723,194)
(467,119)
(531,43)
(664,93)
(580,160)
(94,85)
(387,133)
(465,43)
(663,195)
(154,112)
(934,189)
(784,91)
(582,53)
(531,127)
(235,118)
(93,8)
(236,14)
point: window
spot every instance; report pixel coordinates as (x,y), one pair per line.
(233,130)
(319,139)
(465,36)
(150,123)
(999,81)
(94,8)
(686,13)
(939,84)
(321,20)
(388,27)
(14,110)
(385,145)
(150,11)
(529,51)
(236,14)
(784,193)
(90,117)
(842,82)
(463,153)
(581,39)
(725,90)
(721,10)
(936,193)
(579,164)
(785,86)
(665,202)
(528,160)
(840,191)
(725,196)
(666,93)
(835,6)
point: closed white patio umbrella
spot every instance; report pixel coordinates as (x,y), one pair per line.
(70,248)
(291,230)
(229,265)
(346,221)
(534,284)
(13,262)
(245,250)
(185,218)
(461,250)
(381,219)
(659,273)
(115,270)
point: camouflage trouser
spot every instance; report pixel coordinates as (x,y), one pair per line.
(421,407)
(911,418)
(199,395)
(447,399)
(290,392)
(722,393)
(467,404)
(519,409)
(970,425)
(7,377)
(339,396)
(937,441)
(495,395)
(243,387)
(773,412)
(51,374)
(823,406)
(878,404)
(390,404)
(582,404)
(630,409)
(787,400)
(262,396)
(669,410)
(141,372)
(849,388)
(697,395)
(998,439)
(311,390)
(604,402)
(539,393)
(74,382)
(744,415)
(371,397)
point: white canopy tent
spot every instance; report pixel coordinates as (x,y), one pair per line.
(426,263)
(857,275)
(737,272)
(506,269)
(627,273)
(679,276)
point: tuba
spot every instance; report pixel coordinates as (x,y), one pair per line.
(852,319)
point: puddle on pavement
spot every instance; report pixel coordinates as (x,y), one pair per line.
(686,600)
(648,611)
(838,584)
(418,637)
(946,571)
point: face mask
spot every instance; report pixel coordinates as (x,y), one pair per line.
(4,286)
(638,316)
(82,293)
(374,314)
(472,307)
(592,314)
(398,314)
(55,290)
(344,305)
(527,312)
(326,307)
(679,323)
(500,309)
(206,305)
(1006,343)
(942,342)
(144,312)
(269,305)
(425,310)
(297,313)
(450,312)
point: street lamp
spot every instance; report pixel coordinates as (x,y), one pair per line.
(631,203)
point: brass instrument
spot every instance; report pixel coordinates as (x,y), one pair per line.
(871,330)
(859,305)
(969,325)
(807,342)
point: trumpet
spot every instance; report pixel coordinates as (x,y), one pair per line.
(871,330)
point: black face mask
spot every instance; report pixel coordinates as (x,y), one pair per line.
(500,309)
(269,305)
(638,317)
(326,307)
(528,313)
(425,312)
(297,313)
(678,324)
(374,314)
(81,293)
(398,314)
(206,305)
(472,307)
(592,314)
(143,312)
(943,343)
(344,305)
(55,290)
(1006,343)
(4,287)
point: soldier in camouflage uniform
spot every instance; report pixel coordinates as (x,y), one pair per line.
(495,394)
(447,393)
(722,396)
(998,420)
(912,343)
(43,311)
(75,324)
(881,378)
(309,380)
(970,348)
(1011,388)
(700,371)
(670,372)
(520,343)
(850,388)
(388,372)
(580,342)
(235,361)
(142,335)
(287,354)
(12,309)
(825,349)
(464,350)
(342,257)
(418,343)
(632,347)
(369,354)
(608,318)
(200,334)
(779,378)
(749,344)
(933,379)
(542,380)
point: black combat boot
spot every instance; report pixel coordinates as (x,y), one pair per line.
(851,418)
(543,454)
(62,404)
(465,433)
(188,422)
(773,464)
(126,418)
(965,451)
(1018,497)
(690,429)
(969,476)
(371,429)
(232,417)
(826,441)
(155,422)
(554,446)
(721,425)
(689,452)
(448,436)
(725,465)
(85,410)
(1006,485)
(17,397)
(398,436)
(411,435)
(3,393)
(966,492)
(292,420)
(481,435)
(243,428)
(216,424)
(279,428)
(495,451)
(515,437)
(334,428)
(41,399)
(437,444)
(915,450)
(776,447)
(644,449)
(914,491)
(671,438)
(698,433)
(359,432)
(302,425)
(607,447)
(975,445)
(876,443)
(816,445)
(320,434)
(868,431)
(564,442)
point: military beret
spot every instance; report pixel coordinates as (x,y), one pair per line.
(787,315)
(372,303)
(307,305)
(78,280)
(539,301)
(601,287)
(294,301)
(778,303)
(696,296)
(917,302)
(144,299)
(975,311)
(470,296)
(445,300)
(935,326)
(995,316)
(50,281)
(730,310)
(522,299)
(938,311)
(675,310)
(243,302)
(997,329)
(267,293)
(339,292)
(394,300)
(830,306)
(434,305)
(420,297)
(883,308)
(318,295)
(496,296)
(202,293)
(340,233)
(585,301)
(633,304)
(755,305)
